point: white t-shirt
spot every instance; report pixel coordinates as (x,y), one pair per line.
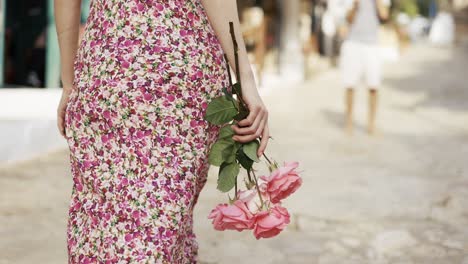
(366,23)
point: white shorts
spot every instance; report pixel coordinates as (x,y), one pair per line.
(360,60)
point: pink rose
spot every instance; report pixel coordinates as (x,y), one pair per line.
(270,224)
(247,195)
(232,217)
(251,200)
(282,182)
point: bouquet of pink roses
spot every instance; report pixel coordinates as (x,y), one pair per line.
(258,206)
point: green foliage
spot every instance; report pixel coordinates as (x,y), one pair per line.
(221,111)
(228,176)
(244,160)
(229,153)
(226,132)
(410,7)
(225,148)
(216,156)
(250,150)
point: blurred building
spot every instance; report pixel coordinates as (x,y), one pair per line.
(29,52)
(460,4)
(279,34)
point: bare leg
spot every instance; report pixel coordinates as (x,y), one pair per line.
(349,110)
(372,110)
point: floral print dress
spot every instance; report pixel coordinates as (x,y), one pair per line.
(144,73)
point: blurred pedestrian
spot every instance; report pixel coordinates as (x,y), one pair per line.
(329,32)
(332,20)
(360,54)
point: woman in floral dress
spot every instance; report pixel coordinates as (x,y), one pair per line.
(135,90)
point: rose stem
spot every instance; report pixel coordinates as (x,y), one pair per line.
(258,188)
(236,51)
(235,188)
(236,58)
(249,176)
(231,87)
(269,161)
(228,70)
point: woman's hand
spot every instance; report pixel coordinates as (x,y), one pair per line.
(61,111)
(256,123)
(220,13)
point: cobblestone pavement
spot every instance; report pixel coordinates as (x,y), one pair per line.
(400,197)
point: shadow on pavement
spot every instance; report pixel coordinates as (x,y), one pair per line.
(442,80)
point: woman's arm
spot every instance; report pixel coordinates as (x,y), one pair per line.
(220,13)
(67,20)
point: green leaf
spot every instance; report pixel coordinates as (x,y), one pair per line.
(220,111)
(226,132)
(216,153)
(227,176)
(245,161)
(229,153)
(250,150)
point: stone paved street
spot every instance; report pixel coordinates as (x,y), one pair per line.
(400,197)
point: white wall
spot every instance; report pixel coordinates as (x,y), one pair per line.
(28,123)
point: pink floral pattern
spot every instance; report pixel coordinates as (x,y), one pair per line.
(144,74)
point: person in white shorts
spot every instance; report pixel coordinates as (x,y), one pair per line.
(360,55)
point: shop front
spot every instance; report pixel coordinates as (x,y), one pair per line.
(29,52)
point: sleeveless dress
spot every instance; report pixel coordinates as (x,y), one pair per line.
(144,73)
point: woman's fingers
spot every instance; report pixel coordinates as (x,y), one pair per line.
(247,130)
(249,120)
(250,129)
(60,123)
(262,126)
(61,118)
(61,109)
(245,139)
(60,127)
(264,141)
(253,136)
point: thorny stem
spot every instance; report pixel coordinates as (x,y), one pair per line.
(249,176)
(269,161)
(235,188)
(236,60)
(228,70)
(258,189)
(236,52)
